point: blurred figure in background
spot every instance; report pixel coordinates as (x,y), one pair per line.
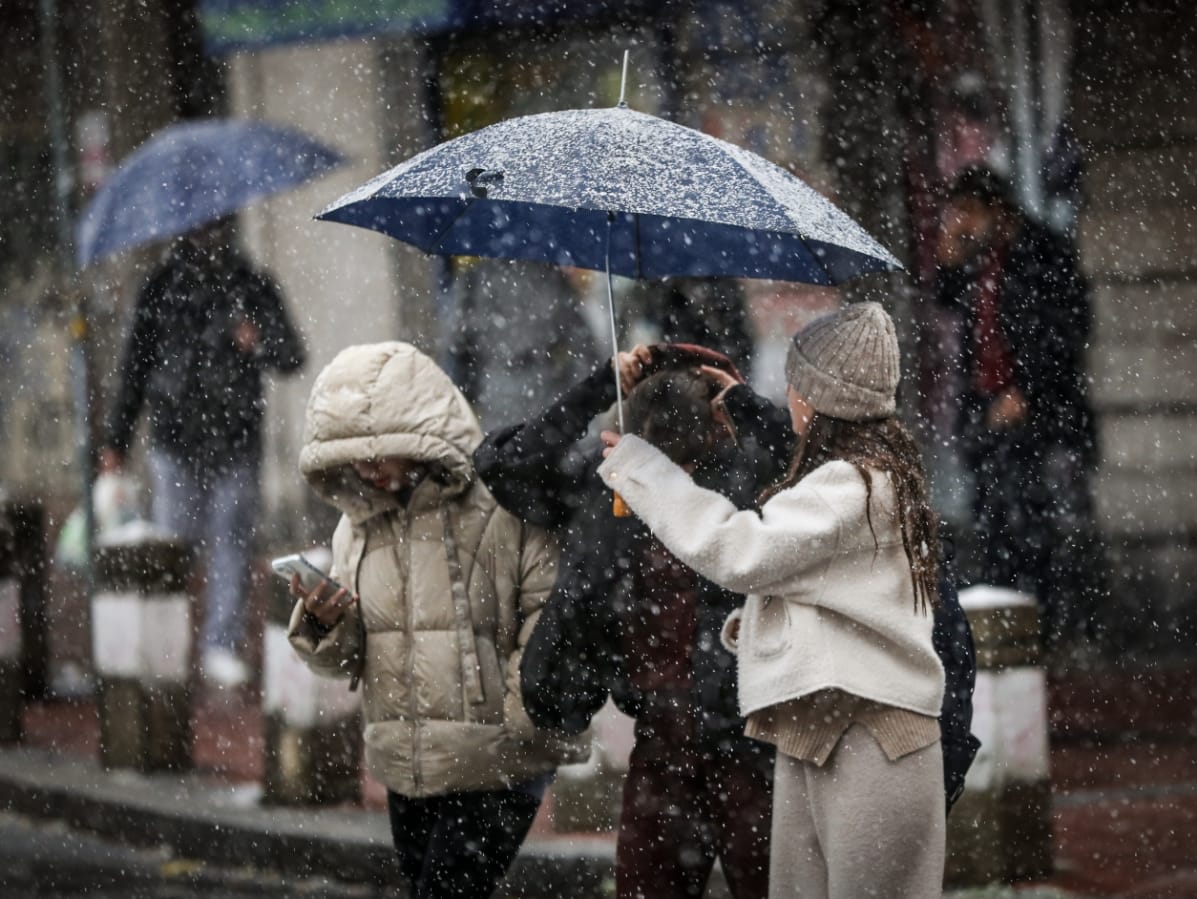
(709,312)
(1026,426)
(518,335)
(206,328)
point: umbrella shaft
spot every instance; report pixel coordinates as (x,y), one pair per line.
(614,335)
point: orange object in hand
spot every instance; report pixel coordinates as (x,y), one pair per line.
(619,508)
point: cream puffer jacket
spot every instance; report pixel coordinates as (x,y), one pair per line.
(830,600)
(450,585)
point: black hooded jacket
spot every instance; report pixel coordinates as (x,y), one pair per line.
(204,396)
(541,472)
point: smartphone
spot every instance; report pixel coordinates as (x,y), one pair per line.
(310,577)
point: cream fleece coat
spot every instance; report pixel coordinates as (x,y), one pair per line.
(827,607)
(450,585)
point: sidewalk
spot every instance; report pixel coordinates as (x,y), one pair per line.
(1124,762)
(214,812)
(1124,772)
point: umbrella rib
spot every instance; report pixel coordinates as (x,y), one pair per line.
(815,256)
(449,227)
(802,237)
(636,246)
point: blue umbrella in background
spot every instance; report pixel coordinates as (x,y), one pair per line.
(618,191)
(186,175)
(191,173)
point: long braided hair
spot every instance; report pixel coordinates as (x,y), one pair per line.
(878,445)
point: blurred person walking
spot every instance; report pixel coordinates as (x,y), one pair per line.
(440,590)
(518,333)
(206,327)
(704,311)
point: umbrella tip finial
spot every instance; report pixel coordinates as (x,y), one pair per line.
(623,82)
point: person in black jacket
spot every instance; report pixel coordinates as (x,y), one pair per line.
(206,327)
(627,618)
(1026,426)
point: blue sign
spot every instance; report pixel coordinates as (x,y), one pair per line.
(231,25)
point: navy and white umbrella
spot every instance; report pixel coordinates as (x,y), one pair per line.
(557,187)
(618,191)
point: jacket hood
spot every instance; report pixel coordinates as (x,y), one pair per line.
(380,400)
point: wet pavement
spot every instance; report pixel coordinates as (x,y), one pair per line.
(1124,768)
(50,860)
(1123,762)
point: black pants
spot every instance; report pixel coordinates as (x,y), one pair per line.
(1036,528)
(459,846)
(1011,527)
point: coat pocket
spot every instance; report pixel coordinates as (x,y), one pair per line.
(768,632)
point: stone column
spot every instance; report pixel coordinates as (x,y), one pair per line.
(589,796)
(142,647)
(1137,122)
(23,561)
(12,699)
(1000,830)
(343,285)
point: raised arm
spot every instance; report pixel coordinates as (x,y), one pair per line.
(744,551)
(527,466)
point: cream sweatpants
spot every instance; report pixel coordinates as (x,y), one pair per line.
(860,825)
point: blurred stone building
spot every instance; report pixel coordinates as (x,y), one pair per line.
(871,102)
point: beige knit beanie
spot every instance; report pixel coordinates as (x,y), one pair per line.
(846,364)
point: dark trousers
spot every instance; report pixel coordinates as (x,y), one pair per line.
(1036,530)
(459,846)
(684,806)
(1010,525)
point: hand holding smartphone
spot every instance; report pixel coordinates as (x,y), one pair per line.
(323,598)
(310,577)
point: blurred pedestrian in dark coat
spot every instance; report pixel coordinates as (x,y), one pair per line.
(518,333)
(1026,425)
(709,312)
(206,328)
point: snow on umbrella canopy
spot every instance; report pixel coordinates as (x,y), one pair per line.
(556,187)
(192,173)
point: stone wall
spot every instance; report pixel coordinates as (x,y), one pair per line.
(1134,73)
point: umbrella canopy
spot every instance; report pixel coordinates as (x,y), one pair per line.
(192,173)
(614,189)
